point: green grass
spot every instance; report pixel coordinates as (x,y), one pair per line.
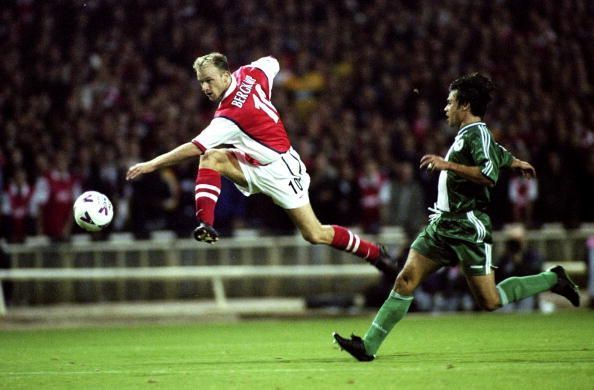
(451,351)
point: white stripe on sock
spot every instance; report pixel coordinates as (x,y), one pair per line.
(206,195)
(348,247)
(357,242)
(502,296)
(208,187)
(394,294)
(378,327)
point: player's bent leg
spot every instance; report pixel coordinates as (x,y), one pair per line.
(417,268)
(484,291)
(310,227)
(555,279)
(213,164)
(341,238)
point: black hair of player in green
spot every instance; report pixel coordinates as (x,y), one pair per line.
(474,89)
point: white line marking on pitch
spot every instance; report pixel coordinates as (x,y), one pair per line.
(465,367)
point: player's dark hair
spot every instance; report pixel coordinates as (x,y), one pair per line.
(474,89)
(216,59)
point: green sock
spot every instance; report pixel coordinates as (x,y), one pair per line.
(517,288)
(388,315)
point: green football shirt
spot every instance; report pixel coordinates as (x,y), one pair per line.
(473,146)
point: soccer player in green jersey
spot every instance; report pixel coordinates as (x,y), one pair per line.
(459,231)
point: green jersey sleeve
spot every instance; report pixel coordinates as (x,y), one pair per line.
(506,156)
(488,155)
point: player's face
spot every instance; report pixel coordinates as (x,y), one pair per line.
(452,110)
(213,82)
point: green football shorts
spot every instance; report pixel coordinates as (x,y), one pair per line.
(453,239)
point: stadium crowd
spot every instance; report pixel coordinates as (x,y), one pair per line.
(90,87)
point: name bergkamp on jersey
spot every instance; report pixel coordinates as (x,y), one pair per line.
(243,92)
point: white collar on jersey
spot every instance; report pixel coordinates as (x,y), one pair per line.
(469,125)
(231,88)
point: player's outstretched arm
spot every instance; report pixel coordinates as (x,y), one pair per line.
(526,168)
(175,156)
(472,173)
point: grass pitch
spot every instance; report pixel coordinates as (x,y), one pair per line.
(447,351)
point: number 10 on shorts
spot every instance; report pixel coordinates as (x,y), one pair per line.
(295,185)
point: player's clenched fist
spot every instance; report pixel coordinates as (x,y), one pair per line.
(139,169)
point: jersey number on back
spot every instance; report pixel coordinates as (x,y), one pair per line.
(262,103)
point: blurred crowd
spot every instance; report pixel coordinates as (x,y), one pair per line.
(90,87)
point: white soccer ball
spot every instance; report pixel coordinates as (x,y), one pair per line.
(92,211)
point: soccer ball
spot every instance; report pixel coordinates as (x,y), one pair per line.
(92,211)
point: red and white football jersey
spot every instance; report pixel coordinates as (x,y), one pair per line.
(245,117)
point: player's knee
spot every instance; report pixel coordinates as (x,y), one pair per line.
(404,284)
(212,159)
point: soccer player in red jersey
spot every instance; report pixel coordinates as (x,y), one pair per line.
(262,159)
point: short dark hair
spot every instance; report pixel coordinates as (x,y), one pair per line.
(474,89)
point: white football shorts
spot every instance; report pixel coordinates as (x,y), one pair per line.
(285,180)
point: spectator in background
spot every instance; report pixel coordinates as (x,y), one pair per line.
(422,121)
(230,210)
(39,197)
(153,212)
(518,260)
(523,192)
(184,213)
(305,83)
(553,204)
(54,194)
(170,201)
(347,195)
(16,207)
(323,189)
(372,187)
(455,295)
(406,204)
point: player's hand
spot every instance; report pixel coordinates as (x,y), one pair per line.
(432,162)
(138,170)
(526,168)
